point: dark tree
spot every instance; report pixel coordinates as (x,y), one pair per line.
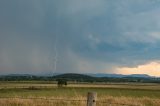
(61,82)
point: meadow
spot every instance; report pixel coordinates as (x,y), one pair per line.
(48,94)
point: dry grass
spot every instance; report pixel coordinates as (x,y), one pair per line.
(23,94)
(102,101)
(49,84)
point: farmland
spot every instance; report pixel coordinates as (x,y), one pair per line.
(38,93)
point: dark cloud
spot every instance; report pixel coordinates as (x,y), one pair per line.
(91,35)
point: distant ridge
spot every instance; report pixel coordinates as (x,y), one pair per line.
(74,76)
(140,75)
(98,75)
(142,78)
(120,75)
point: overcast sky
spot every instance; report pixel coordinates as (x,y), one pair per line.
(80,36)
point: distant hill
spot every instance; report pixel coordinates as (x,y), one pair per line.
(83,77)
(120,75)
(139,75)
(74,76)
(107,75)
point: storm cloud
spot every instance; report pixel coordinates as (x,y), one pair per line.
(90,36)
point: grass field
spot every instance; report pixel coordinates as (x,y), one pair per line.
(48,94)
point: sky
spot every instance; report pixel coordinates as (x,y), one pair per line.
(80,36)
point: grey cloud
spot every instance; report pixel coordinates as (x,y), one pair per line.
(102,34)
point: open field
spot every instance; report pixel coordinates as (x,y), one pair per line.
(48,94)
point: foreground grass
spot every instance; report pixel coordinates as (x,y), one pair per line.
(103,101)
(140,95)
(73,92)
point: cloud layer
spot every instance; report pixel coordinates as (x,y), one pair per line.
(91,35)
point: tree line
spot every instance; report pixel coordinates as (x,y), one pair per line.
(79,78)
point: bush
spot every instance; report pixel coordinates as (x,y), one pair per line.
(61,82)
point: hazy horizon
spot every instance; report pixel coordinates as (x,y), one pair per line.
(76,36)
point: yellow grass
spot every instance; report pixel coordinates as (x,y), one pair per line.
(60,101)
(125,94)
(39,84)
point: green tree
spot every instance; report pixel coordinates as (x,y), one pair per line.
(61,82)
